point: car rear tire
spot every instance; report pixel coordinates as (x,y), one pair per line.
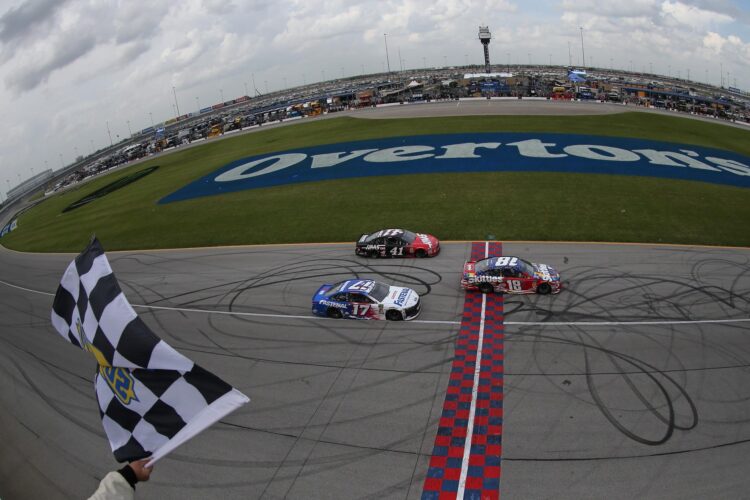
(543,288)
(486,288)
(334,313)
(393,315)
(421,253)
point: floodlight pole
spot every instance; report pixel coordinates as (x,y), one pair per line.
(177,106)
(583,52)
(387,59)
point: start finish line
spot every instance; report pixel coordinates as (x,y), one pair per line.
(467,455)
(480,152)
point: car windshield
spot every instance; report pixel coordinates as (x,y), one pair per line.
(482,265)
(525,267)
(379,291)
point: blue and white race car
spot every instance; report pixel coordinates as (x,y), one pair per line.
(366,299)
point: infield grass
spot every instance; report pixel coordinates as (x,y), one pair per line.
(464,206)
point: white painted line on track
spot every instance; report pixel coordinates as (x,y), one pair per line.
(229,313)
(473,407)
(26,289)
(474,392)
(424,321)
(626,323)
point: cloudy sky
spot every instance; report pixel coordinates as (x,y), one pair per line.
(69,67)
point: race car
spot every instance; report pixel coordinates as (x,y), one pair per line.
(366,299)
(397,243)
(510,275)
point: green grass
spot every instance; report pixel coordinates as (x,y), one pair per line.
(509,205)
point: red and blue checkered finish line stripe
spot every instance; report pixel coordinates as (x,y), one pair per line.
(465,462)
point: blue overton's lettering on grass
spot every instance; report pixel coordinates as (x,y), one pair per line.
(479,152)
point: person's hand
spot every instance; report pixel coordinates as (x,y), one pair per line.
(142,473)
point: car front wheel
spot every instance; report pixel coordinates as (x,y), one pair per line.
(543,288)
(393,315)
(334,313)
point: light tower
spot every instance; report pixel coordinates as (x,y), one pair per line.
(484,37)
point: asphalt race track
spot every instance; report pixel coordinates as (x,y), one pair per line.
(633,382)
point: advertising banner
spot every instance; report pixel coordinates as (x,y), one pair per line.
(479,152)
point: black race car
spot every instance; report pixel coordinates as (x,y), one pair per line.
(397,243)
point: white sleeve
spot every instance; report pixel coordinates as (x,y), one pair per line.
(113,487)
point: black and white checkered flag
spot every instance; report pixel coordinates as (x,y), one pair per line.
(151,397)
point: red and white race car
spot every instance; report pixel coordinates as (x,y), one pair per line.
(510,275)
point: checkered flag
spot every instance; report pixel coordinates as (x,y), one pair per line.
(151,397)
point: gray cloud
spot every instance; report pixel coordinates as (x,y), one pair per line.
(16,23)
(138,22)
(613,8)
(722,7)
(29,78)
